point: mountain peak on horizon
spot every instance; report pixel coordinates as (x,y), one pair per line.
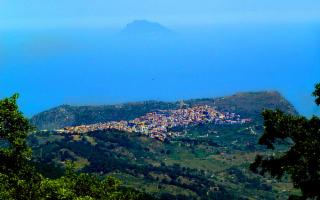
(145,28)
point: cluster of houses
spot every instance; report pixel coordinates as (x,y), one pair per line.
(159,124)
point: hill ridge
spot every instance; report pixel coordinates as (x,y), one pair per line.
(247,104)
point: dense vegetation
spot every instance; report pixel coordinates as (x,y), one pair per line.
(19,178)
(202,164)
(246,104)
(208,161)
(301,161)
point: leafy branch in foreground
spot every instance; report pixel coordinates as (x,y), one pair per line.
(19,179)
(302,160)
(316,93)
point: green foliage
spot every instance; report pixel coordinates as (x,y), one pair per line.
(20,181)
(316,93)
(17,175)
(13,129)
(302,160)
(86,186)
(188,166)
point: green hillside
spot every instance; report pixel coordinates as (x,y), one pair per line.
(246,104)
(207,161)
(67,115)
(193,166)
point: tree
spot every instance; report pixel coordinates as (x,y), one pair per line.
(302,159)
(15,169)
(19,179)
(316,93)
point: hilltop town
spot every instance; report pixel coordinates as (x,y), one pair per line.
(158,124)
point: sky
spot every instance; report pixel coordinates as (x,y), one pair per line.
(101,13)
(61,51)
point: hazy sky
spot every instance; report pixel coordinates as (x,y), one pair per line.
(101,13)
(250,41)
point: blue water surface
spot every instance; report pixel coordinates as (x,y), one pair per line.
(98,66)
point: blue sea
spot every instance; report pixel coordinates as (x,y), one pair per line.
(97,66)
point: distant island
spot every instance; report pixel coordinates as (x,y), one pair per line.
(145,29)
